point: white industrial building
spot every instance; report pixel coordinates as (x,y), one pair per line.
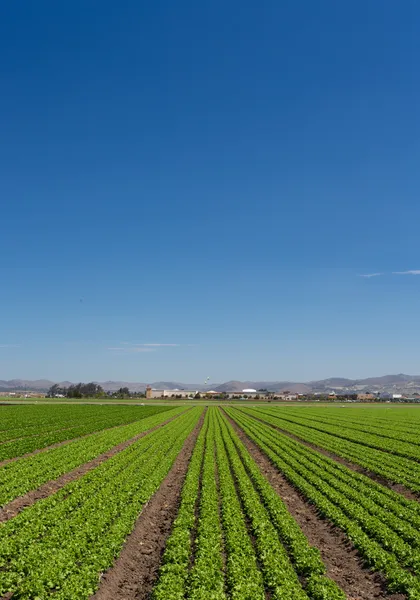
(154,393)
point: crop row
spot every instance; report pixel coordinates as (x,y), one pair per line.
(200,516)
(360,517)
(40,415)
(24,445)
(233,537)
(26,474)
(343,423)
(28,418)
(321,441)
(244,579)
(279,539)
(369,440)
(395,468)
(174,570)
(396,511)
(58,547)
(207,575)
(192,564)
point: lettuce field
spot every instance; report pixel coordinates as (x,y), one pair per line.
(209,503)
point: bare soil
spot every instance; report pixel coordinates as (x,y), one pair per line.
(342,561)
(135,571)
(51,487)
(396,487)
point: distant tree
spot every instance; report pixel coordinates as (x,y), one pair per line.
(73,391)
(85,390)
(54,391)
(123,391)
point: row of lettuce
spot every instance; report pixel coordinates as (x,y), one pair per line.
(58,547)
(361,419)
(28,428)
(29,473)
(233,536)
(382,524)
(384,459)
(400,441)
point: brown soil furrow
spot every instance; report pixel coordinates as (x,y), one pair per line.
(396,487)
(135,571)
(340,557)
(57,445)
(51,487)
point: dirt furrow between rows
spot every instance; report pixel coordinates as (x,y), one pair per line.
(396,487)
(340,557)
(14,507)
(135,571)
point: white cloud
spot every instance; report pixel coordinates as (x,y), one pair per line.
(142,350)
(368,275)
(414,272)
(154,345)
(137,344)
(128,347)
(125,350)
(9,345)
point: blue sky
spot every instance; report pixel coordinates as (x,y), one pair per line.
(211,179)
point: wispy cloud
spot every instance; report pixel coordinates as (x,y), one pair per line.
(129,350)
(414,272)
(138,344)
(368,275)
(9,345)
(156,345)
(128,347)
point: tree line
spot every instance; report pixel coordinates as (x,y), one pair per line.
(90,390)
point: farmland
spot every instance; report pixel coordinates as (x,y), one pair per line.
(195,502)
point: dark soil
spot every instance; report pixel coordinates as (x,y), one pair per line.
(135,571)
(340,557)
(51,487)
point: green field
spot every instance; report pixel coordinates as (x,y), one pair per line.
(250,501)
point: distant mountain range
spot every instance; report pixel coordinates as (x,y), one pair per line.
(387,384)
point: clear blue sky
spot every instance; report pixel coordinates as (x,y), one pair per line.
(215,176)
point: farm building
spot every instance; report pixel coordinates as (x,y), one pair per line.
(154,393)
(366,397)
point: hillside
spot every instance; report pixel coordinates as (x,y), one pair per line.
(386,384)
